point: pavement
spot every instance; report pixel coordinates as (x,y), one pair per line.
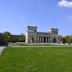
(42,46)
(1,49)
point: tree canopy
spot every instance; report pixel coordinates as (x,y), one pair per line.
(8,37)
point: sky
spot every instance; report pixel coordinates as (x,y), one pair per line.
(16,15)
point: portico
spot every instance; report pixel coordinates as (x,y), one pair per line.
(44,39)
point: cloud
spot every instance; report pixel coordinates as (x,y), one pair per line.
(65,3)
(69,17)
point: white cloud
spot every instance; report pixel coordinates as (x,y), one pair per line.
(69,17)
(65,3)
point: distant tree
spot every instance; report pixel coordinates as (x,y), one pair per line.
(6,36)
(67,39)
(22,38)
(13,39)
(71,38)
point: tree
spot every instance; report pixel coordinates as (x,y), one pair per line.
(13,38)
(22,38)
(67,39)
(6,36)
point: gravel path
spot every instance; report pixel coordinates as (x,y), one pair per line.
(41,46)
(1,49)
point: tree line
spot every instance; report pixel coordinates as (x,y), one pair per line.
(8,37)
(67,39)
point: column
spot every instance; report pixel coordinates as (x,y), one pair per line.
(42,39)
(38,39)
(49,39)
(46,39)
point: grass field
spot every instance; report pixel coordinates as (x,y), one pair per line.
(53,59)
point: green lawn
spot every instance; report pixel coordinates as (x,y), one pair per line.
(45,59)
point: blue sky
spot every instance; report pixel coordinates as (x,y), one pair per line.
(16,15)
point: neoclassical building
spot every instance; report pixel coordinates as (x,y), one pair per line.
(32,36)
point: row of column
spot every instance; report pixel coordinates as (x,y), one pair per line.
(44,39)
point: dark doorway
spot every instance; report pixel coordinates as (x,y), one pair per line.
(32,39)
(54,40)
(44,39)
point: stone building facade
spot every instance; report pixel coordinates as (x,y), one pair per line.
(32,36)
